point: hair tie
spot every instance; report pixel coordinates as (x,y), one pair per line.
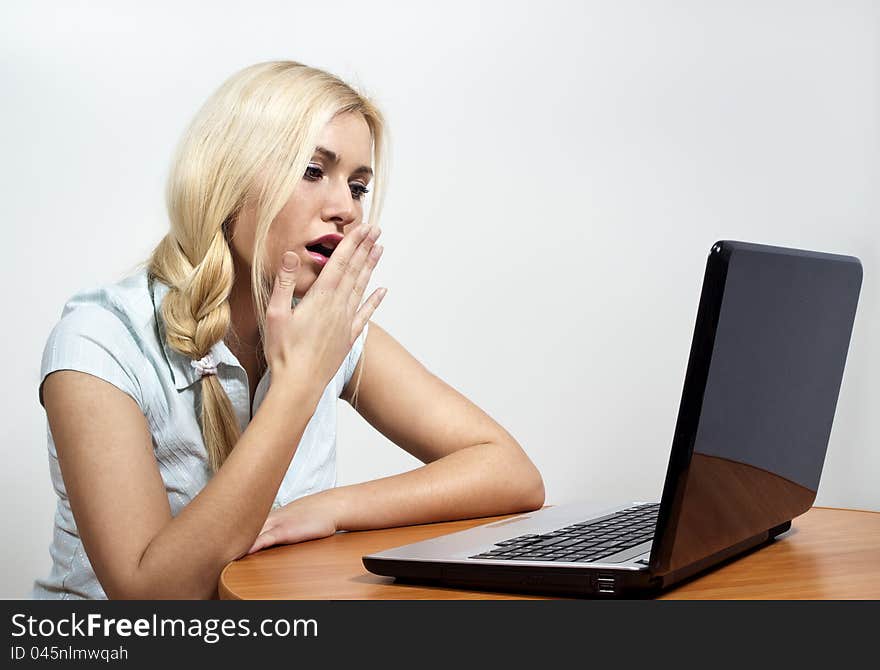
(207,365)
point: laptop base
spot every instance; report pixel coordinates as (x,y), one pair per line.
(577,582)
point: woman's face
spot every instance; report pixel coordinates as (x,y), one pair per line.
(328,201)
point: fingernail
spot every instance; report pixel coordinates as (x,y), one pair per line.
(290,260)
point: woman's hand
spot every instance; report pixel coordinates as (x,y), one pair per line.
(308,518)
(314,339)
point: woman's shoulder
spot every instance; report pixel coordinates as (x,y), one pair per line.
(104,331)
(126,301)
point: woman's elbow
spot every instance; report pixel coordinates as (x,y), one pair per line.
(534,496)
(531,490)
(147,586)
(157,592)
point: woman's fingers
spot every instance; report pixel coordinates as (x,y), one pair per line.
(285,282)
(365,313)
(357,261)
(266,536)
(360,285)
(334,271)
(268,525)
(266,539)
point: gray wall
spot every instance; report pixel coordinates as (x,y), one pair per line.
(560,170)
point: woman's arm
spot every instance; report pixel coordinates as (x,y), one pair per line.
(137,549)
(475,481)
(474,467)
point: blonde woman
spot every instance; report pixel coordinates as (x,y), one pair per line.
(192,405)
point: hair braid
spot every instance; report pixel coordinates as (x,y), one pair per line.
(197,316)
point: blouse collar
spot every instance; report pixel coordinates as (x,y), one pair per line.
(182,371)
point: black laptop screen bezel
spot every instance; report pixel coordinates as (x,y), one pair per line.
(844,277)
(697,373)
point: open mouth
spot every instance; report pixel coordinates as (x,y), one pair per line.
(321,249)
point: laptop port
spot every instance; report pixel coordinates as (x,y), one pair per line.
(605,584)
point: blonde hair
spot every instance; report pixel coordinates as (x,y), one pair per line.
(257,132)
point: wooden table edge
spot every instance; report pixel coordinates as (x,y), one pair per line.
(225,593)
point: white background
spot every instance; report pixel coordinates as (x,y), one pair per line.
(560,170)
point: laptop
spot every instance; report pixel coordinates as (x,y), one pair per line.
(766,363)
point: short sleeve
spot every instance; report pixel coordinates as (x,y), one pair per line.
(94,340)
(353,357)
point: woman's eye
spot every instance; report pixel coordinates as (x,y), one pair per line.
(358,191)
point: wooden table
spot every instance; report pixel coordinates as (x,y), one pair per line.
(828,554)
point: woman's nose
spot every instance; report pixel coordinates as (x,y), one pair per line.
(340,202)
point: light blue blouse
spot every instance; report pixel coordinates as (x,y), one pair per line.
(116,333)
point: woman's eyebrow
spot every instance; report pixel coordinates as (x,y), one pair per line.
(333,158)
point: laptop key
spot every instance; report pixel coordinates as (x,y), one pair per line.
(551,542)
(582,541)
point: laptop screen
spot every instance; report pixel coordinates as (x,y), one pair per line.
(766,364)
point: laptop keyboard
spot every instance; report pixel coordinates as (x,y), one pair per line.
(589,540)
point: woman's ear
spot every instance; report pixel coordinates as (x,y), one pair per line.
(239,230)
(235,225)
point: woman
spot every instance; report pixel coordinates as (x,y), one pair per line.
(192,405)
